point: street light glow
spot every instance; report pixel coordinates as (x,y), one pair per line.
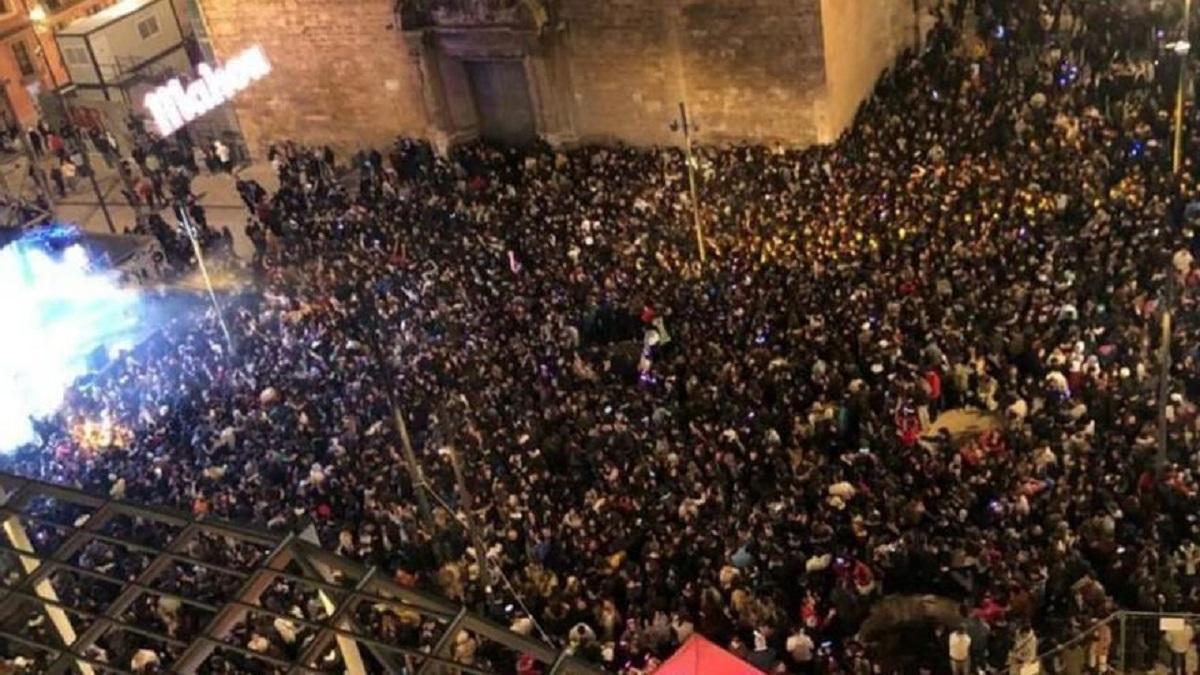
(37,14)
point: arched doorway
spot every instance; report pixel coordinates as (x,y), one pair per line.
(489,70)
(500,91)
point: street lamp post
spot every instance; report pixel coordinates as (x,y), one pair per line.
(369,315)
(687,127)
(1164,374)
(190,231)
(38,16)
(916,7)
(467,504)
(1182,48)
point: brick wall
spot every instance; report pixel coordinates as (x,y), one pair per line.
(15,27)
(865,36)
(791,71)
(748,69)
(754,68)
(624,80)
(341,74)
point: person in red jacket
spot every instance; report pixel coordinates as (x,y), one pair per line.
(58,147)
(933,384)
(929,395)
(527,665)
(908,426)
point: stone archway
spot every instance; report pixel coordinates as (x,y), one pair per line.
(489,68)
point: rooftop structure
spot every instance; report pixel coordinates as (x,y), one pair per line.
(93,584)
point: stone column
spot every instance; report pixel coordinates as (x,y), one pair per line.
(423,52)
(550,90)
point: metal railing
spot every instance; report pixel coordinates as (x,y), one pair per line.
(58,598)
(1125,642)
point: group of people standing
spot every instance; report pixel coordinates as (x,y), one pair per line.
(746,449)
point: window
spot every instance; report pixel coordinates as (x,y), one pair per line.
(77,56)
(21,53)
(148,27)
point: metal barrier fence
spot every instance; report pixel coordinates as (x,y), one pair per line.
(1126,643)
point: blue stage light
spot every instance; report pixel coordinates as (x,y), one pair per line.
(58,310)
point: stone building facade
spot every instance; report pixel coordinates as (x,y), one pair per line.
(25,81)
(360,72)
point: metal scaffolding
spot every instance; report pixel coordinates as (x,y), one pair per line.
(92,584)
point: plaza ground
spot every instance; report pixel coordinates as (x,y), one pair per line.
(216,192)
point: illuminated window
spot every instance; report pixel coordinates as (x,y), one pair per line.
(148,27)
(76,55)
(21,53)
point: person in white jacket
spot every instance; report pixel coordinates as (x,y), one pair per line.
(1179,641)
(1024,650)
(1188,558)
(960,651)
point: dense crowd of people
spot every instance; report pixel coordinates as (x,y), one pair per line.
(745,449)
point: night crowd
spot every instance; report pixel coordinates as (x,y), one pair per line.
(745,449)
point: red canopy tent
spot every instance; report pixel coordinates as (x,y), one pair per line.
(698,656)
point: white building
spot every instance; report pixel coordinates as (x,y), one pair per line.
(120,53)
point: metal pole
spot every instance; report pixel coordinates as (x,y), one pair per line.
(1121,658)
(691,165)
(1164,375)
(1183,48)
(83,151)
(212,295)
(916,4)
(39,175)
(59,619)
(140,214)
(35,167)
(368,315)
(87,164)
(13,198)
(468,506)
(1181,90)
(410,458)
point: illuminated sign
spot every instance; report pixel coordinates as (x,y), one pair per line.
(173,105)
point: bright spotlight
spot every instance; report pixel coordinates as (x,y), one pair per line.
(58,311)
(76,257)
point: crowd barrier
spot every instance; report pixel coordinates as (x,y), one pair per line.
(1126,643)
